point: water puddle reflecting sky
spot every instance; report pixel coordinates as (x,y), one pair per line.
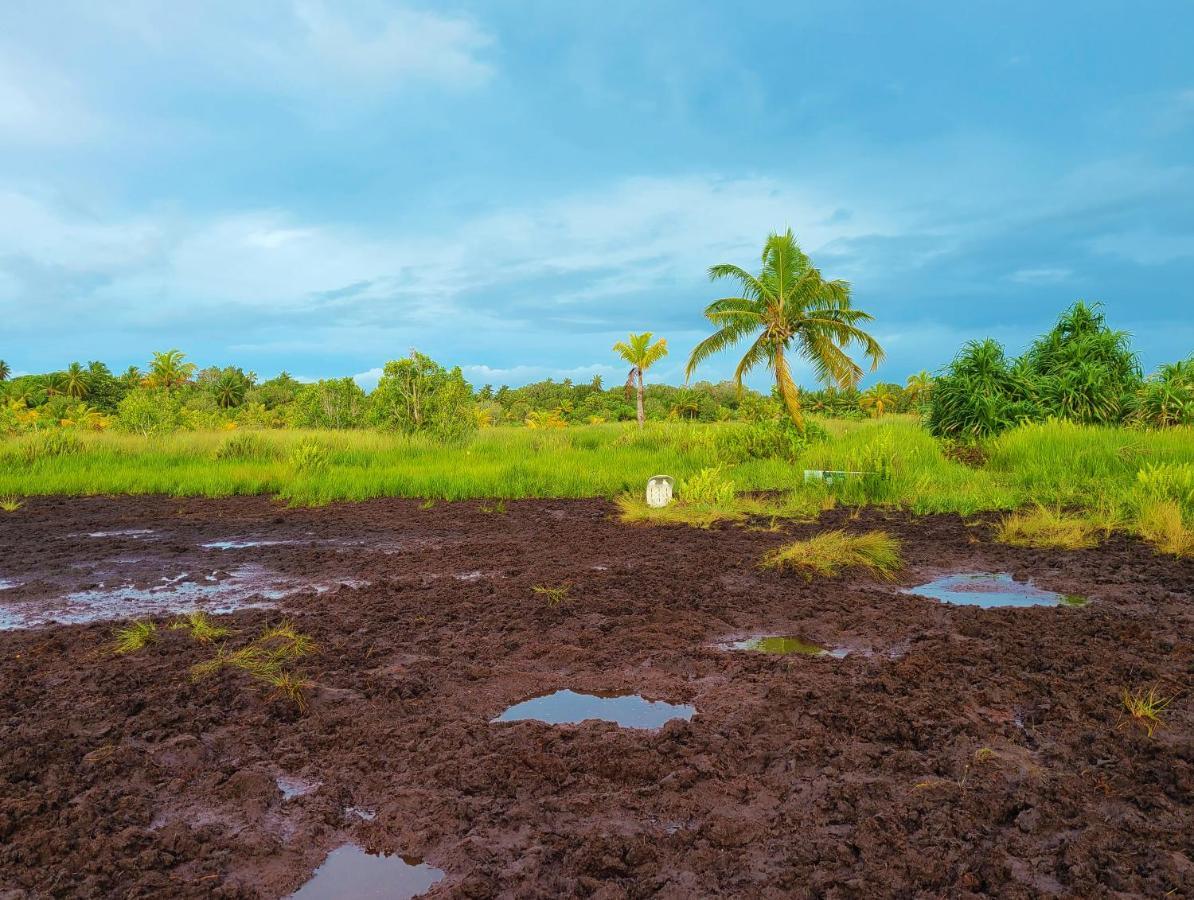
(990,590)
(350,873)
(569,708)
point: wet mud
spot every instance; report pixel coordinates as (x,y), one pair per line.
(955,751)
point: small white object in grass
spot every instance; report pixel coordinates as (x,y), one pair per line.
(659,490)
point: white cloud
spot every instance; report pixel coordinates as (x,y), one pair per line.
(1041,276)
(39,105)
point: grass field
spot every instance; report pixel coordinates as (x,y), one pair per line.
(1111,472)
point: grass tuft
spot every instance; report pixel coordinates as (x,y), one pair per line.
(1160,523)
(10,504)
(202,628)
(830,553)
(1146,707)
(554,595)
(1046,527)
(134,636)
(266,659)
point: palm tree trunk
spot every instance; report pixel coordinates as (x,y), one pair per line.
(640,398)
(788,390)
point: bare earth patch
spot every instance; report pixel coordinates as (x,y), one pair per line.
(955,751)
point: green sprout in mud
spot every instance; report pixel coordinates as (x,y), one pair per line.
(10,504)
(429,503)
(134,636)
(267,659)
(1146,708)
(202,628)
(498,508)
(553,595)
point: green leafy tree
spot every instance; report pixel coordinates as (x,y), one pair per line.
(918,387)
(153,411)
(641,354)
(5,371)
(170,370)
(418,395)
(787,307)
(332,403)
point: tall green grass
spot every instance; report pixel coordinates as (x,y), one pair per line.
(1056,463)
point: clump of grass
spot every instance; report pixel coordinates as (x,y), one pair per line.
(708,487)
(267,659)
(1160,522)
(134,636)
(1046,527)
(830,553)
(248,446)
(1146,707)
(10,504)
(553,595)
(497,508)
(202,628)
(309,457)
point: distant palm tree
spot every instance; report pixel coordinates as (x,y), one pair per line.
(878,399)
(641,354)
(918,387)
(5,371)
(788,303)
(169,370)
(74,381)
(132,376)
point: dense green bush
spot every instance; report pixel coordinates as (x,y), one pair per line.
(417,395)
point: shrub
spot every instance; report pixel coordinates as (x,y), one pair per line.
(707,488)
(309,457)
(418,395)
(148,412)
(1167,481)
(831,552)
(980,394)
(766,439)
(246,447)
(48,445)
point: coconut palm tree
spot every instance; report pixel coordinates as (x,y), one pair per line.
(641,354)
(5,371)
(74,381)
(169,370)
(788,307)
(918,387)
(879,398)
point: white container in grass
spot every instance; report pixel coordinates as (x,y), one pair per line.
(659,490)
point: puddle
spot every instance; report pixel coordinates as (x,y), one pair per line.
(127,532)
(349,871)
(469,576)
(781,645)
(176,594)
(360,812)
(568,708)
(292,787)
(244,544)
(990,590)
(8,585)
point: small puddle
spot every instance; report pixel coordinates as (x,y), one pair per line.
(349,871)
(989,590)
(244,544)
(780,645)
(360,812)
(126,532)
(569,708)
(7,584)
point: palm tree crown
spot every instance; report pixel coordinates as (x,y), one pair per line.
(169,369)
(787,306)
(641,354)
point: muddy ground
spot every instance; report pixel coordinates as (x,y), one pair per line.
(954,752)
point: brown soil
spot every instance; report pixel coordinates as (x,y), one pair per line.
(958,752)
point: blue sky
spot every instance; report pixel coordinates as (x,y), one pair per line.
(512,186)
